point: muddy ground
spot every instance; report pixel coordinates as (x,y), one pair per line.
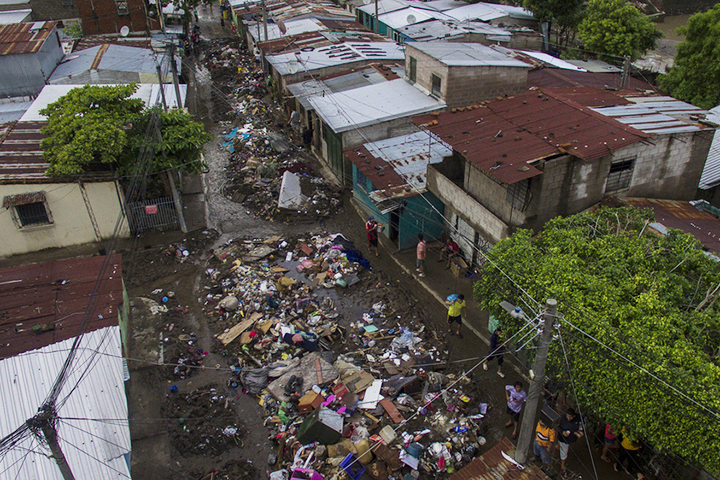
(190,419)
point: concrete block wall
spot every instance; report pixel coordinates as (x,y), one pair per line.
(487,191)
(464,205)
(53,10)
(101,16)
(426,67)
(379,131)
(670,167)
(469,85)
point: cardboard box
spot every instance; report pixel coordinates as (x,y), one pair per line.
(458,267)
(309,402)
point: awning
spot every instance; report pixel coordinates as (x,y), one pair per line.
(23,199)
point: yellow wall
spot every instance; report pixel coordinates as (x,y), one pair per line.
(71,220)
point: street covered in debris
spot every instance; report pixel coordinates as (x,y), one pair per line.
(281,344)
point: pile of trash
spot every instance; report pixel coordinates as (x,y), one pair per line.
(368,392)
(268,176)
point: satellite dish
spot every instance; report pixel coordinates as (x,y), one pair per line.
(411,18)
(292,67)
(367,2)
(125,31)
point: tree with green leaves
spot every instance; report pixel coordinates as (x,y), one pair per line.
(615,28)
(566,14)
(640,325)
(695,77)
(99,127)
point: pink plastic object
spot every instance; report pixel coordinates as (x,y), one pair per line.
(329,400)
(341,410)
(305,474)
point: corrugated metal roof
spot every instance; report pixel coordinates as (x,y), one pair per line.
(445,29)
(504,137)
(118,58)
(147,92)
(397,166)
(711,172)
(343,81)
(55,293)
(315,40)
(24,37)
(683,216)
(20,154)
(487,12)
(9,17)
(10,112)
(466,54)
(94,449)
(657,115)
(312,58)
(409,15)
(372,104)
(493,466)
(555,78)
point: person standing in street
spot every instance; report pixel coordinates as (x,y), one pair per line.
(629,450)
(456,309)
(609,443)
(295,121)
(497,349)
(421,254)
(372,234)
(544,442)
(516,397)
(570,430)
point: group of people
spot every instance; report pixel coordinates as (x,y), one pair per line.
(570,429)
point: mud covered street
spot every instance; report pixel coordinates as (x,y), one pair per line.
(233,325)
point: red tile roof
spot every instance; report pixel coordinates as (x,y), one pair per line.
(24,37)
(56,294)
(506,136)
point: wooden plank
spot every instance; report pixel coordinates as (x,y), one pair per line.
(389,407)
(239,328)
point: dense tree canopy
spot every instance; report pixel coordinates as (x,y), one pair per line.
(650,298)
(616,28)
(566,14)
(695,77)
(101,127)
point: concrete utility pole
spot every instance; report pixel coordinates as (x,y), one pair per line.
(264,13)
(45,421)
(162,87)
(173,66)
(377,18)
(527,428)
(625,72)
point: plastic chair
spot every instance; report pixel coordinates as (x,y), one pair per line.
(352,467)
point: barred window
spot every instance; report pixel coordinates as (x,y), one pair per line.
(32,214)
(621,172)
(436,86)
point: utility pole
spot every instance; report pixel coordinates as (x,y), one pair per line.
(175,76)
(527,428)
(45,422)
(377,18)
(264,13)
(625,71)
(162,87)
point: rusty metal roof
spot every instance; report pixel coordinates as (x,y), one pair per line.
(56,295)
(21,158)
(493,466)
(557,78)
(24,37)
(506,136)
(683,216)
(397,167)
(312,40)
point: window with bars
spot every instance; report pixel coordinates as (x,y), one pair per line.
(517,194)
(436,85)
(32,214)
(620,175)
(122,7)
